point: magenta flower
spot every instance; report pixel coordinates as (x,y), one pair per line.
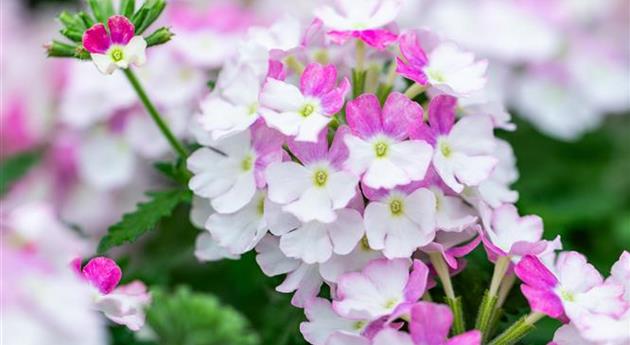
(116,47)
(431,323)
(570,290)
(122,304)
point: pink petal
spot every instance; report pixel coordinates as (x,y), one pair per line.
(442,113)
(430,323)
(75,266)
(492,251)
(363,115)
(400,114)
(121,30)
(340,37)
(317,79)
(338,150)
(379,38)
(535,274)
(423,132)
(333,100)
(409,72)
(96,40)
(308,152)
(543,301)
(417,283)
(103,273)
(276,70)
(468,338)
(412,51)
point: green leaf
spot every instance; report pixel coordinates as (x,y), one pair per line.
(175,171)
(144,218)
(187,318)
(15,167)
(127,7)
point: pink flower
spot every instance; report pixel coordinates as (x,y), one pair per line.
(314,189)
(122,304)
(379,151)
(446,67)
(570,290)
(116,47)
(463,150)
(431,323)
(360,19)
(384,287)
(512,235)
(303,112)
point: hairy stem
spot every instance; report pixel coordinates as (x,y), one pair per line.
(488,306)
(155,115)
(518,330)
(459,324)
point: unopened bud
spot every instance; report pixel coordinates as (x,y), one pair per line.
(159,36)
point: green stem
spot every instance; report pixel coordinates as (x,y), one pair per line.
(500,267)
(518,330)
(485,315)
(155,115)
(360,50)
(414,90)
(459,324)
(442,270)
(506,287)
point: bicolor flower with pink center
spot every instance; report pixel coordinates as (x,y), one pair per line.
(446,67)
(123,304)
(512,235)
(401,221)
(571,289)
(315,189)
(303,112)
(379,150)
(115,46)
(382,288)
(463,150)
(230,174)
(363,20)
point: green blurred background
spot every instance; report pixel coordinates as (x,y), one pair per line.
(581,189)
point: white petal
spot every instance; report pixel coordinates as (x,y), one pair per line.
(341,188)
(361,154)
(104,63)
(314,204)
(377,223)
(383,173)
(106,162)
(286,122)
(287,181)
(135,51)
(311,126)
(444,168)
(472,170)
(278,221)
(240,193)
(413,157)
(473,135)
(207,249)
(404,237)
(309,242)
(281,96)
(420,208)
(239,232)
(346,231)
(271,259)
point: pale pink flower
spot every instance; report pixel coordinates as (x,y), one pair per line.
(316,188)
(569,290)
(379,151)
(303,112)
(382,288)
(463,149)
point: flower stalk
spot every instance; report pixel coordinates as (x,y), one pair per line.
(488,305)
(155,115)
(414,90)
(518,330)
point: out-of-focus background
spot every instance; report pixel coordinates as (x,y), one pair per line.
(561,66)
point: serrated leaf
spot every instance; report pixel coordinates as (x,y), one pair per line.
(15,167)
(188,318)
(144,218)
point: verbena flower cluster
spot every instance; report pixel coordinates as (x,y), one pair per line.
(378,193)
(356,157)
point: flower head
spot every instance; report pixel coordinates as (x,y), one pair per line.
(115,46)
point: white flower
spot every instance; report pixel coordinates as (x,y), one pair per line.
(454,71)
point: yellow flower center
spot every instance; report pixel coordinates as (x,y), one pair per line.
(445,148)
(320,178)
(247,163)
(307,110)
(396,207)
(380,149)
(117,54)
